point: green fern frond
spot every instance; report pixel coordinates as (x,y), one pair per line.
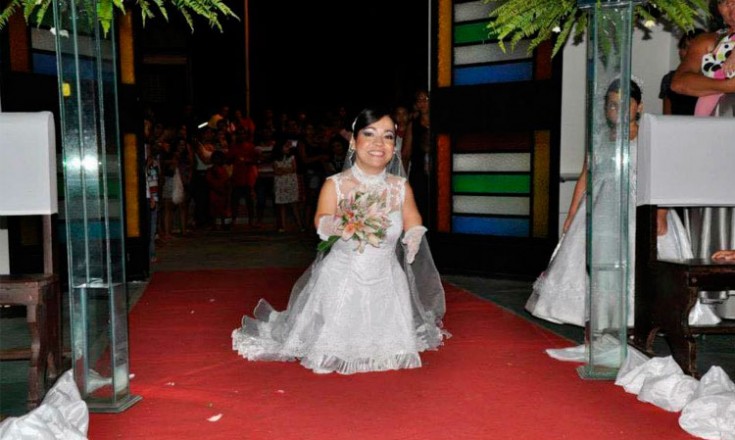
(161,9)
(145,10)
(211,11)
(8,12)
(541,20)
(28,9)
(563,35)
(41,12)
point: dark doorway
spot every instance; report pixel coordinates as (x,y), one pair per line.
(303,55)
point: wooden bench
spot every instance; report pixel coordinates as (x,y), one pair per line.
(666,291)
(40,295)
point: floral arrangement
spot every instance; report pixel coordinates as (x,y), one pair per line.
(543,20)
(363,217)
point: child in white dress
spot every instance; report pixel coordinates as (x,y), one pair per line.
(559,294)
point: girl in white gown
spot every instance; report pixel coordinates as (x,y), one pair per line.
(364,305)
(559,294)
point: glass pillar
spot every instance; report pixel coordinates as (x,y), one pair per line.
(87,72)
(609,218)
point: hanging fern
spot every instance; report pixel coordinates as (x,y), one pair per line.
(542,20)
(212,11)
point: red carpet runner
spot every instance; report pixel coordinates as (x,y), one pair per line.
(492,379)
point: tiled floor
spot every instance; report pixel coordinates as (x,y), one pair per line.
(247,248)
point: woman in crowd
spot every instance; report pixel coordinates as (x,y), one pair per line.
(417,153)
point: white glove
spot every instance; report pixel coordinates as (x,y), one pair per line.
(326,227)
(412,241)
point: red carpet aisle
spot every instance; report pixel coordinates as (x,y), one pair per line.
(492,379)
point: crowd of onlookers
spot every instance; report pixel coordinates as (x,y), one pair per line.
(230,170)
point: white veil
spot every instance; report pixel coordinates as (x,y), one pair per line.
(427,295)
(427,292)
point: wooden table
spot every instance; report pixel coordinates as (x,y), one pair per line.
(41,296)
(673,289)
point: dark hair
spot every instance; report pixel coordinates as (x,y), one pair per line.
(420,92)
(338,138)
(716,22)
(369,116)
(218,157)
(688,37)
(635,91)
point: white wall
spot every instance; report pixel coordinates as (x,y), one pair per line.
(652,58)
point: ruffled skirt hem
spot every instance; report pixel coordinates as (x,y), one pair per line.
(261,349)
(332,364)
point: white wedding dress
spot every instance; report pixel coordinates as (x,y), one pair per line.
(559,294)
(352,311)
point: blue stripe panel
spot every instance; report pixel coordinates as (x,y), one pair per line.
(95,229)
(45,64)
(508,227)
(497,73)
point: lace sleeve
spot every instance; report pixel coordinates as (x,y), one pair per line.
(402,190)
(336,179)
(397,191)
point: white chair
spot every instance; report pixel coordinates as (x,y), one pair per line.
(683,161)
(28,187)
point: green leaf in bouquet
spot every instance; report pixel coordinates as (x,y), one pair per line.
(325,245)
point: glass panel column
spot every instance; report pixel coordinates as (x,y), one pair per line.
(610,229)
(87,72)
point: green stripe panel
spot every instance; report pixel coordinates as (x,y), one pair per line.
(473,33)
(492,183)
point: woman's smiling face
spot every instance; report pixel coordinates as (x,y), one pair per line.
(375,144)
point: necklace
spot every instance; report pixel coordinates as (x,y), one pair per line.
(367,179)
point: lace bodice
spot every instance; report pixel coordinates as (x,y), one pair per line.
(606,167)
(394,188)
(354,179)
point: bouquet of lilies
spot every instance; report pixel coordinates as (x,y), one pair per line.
(363,217)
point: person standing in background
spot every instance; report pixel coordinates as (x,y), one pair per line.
(417,153)
(243,157)
(400,115)
(286,184)
(152,176)
(264,182)
(675,103)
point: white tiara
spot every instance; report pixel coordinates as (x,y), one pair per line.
(638,81)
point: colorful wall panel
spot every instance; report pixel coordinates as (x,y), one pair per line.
(495,121)
(489,183)
(469,53)
(497,184)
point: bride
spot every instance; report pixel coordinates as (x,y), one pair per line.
(559,294)
(372,300)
